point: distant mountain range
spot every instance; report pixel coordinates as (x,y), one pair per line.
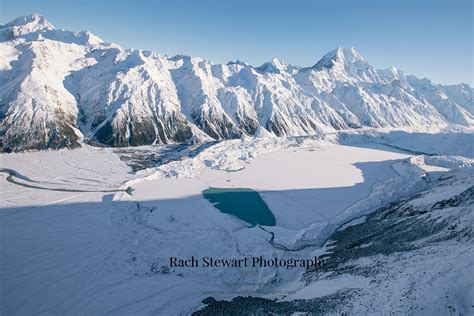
(61,89)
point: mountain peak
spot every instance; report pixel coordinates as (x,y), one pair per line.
(274,65)
(339,56)
(33,19)
(28,24)
(277,63)
(238,62)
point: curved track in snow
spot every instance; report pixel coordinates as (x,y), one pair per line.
(12,175)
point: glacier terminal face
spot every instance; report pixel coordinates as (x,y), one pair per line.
(62,89)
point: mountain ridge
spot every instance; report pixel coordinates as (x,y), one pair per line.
(62,88)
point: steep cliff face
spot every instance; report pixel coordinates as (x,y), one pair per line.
(62,88)
(36,110)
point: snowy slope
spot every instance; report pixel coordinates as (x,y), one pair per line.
(61,88)
(396,229)
(410,257)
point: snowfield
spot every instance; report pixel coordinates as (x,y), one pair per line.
(371,170)
(315,183)
(67,252)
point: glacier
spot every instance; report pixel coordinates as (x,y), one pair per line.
(372,170)
(395,227)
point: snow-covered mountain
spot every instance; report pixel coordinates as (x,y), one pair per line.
(61,88)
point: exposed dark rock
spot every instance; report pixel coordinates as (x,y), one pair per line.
(397,227)
(249,305)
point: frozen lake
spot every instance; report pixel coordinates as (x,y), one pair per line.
(246,204)
(113,248)
(300,186)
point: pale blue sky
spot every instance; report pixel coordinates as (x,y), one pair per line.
(427,38)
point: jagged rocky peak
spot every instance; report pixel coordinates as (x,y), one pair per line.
(339,57)
(238,62)
(28,24)
(35,27)
(34,18)
(91,90)
(274,66)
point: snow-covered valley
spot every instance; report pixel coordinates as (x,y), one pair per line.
(112,159)
(98,252)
